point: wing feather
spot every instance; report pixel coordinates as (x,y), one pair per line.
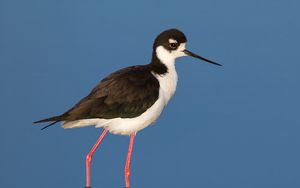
(126,93)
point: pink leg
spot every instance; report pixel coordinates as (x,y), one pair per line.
(89,158)
(127,165)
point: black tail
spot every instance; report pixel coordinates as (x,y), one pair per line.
(54,120)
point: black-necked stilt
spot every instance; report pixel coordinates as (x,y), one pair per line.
(132,98)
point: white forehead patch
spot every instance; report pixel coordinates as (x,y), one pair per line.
(172,41)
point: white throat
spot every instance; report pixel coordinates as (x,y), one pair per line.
(165,56)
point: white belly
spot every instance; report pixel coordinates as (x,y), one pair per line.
(126,126)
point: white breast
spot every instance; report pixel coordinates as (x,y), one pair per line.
(167,83)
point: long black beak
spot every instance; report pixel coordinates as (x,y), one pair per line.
(199,57)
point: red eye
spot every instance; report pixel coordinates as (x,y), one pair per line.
(173,45)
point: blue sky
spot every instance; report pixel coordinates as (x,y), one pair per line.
(232,126)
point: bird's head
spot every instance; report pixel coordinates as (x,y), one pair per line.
(171,44)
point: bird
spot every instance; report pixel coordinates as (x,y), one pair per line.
(130,99)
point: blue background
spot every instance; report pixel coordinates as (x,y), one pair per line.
(232,126)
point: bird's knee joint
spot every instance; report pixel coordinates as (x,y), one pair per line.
(127,173)
(88,158)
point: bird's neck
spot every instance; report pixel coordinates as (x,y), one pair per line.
(162,61)
(163,68)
